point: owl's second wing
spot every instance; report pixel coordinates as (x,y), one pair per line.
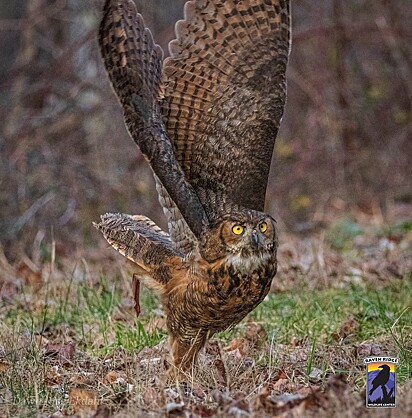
(225,90)
(133,62)
(141,241)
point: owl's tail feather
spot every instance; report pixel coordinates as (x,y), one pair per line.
(134,64)
(141,241)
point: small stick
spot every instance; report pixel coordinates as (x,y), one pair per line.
(136,293)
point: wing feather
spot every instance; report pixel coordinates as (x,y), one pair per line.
(133,62)
(224,94)
(141,241)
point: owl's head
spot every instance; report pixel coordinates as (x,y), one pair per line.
(241,234)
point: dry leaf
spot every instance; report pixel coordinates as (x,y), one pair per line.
(63,352)
(213,349)
(115,377)
(315,375)
(255,333)
(348,329)
(174,408)
(280,385)
(82,399)
(203,411)
(238,347)
(102,412)
(368,349)
(4,365)
(221,371)
(41,341)
(83,378)
(150,396)
(280,374)
(281,382)
(276,405)
(53,377)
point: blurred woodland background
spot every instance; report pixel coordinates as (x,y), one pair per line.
(65,155)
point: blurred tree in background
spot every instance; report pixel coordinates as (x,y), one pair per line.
(65,155)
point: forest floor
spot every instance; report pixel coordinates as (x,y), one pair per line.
(71,345)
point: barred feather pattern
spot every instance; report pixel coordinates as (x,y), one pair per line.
(133,62)
(206,122)
(224,94)
(140,240)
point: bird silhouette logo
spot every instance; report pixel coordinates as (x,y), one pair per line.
(381,385)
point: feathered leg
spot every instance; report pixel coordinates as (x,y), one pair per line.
(184,352)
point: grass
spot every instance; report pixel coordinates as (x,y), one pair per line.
(304,333)
(319,316)
(91,314)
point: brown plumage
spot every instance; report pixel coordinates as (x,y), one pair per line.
(206,123)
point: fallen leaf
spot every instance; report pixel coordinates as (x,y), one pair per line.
(115,377)
(280,374)
(151,396)
(203,411)
(238,347)
(102,412)
(63,352)
(348,329)
(174,408)
(281,382)
(280,385)
(53,377)
(82,399)
(315,375)
(4,365)
(240,402)
(368,349)
(83,378)
(255,333)
(234,405)
(280,404)
(214,350)
(41,341)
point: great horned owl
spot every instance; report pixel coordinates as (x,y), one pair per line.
(206,121)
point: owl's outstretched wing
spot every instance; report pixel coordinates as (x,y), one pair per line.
(225,90)
(140,240)
(134,62)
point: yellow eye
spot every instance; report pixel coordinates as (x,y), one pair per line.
(263,227)
(238,229)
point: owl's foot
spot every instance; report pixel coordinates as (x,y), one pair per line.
(136,293)
(174,374)
(184,354)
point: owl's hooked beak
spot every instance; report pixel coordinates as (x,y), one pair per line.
(254,239)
